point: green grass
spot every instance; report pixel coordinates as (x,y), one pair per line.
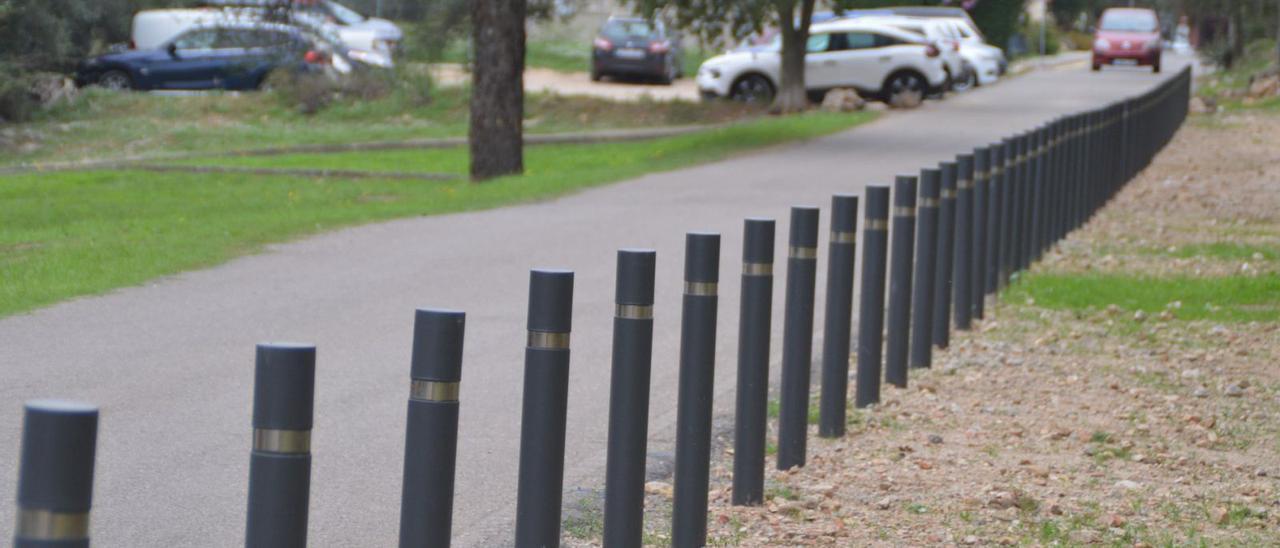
(1232,298)
(106,125)
(67,234)
(1259,56)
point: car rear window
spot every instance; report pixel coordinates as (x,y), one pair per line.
(622,30)
(1128,21)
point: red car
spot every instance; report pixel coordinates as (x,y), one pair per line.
(1127,36)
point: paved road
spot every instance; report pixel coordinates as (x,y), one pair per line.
(171,362)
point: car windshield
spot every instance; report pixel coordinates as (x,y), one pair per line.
(344,14)
(623,30)
(1129,21)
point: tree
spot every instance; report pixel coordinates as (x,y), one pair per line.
(497,90)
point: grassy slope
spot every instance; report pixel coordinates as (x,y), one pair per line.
(1259,56)
(104,125)
(79,233)
(1233,298)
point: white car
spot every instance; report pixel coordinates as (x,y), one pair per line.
(939,33)
(879,61)
(972,40)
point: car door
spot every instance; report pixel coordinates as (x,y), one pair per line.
(892,53)
(822,59)
(192,62)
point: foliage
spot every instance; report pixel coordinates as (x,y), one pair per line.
(16,101)
(997,19)
(55,34)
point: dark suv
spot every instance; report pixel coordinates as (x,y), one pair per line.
(636,47)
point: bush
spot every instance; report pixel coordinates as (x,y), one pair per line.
(310,93)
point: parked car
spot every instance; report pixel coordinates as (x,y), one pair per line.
(628,46)
(227,55)
(1127,36)
(960,76)
(879,61)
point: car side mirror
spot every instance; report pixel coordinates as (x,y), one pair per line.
(173,50)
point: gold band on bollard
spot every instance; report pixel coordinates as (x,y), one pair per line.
(964,184)
(757,269)
(272,440)
(948,194)
(929,202)
(996,171)
(876,224)
(52,526)
(802,252)
(634,311)
(436,391)
(841,237)
(546,340)
(904,211)
(700,289)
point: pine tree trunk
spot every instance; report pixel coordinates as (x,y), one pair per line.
(497,88)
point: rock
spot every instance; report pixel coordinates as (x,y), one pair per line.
(1191,374)
(969,540)
(1002,500)
(1201,392)
(1139,316)
(659,488)
(935,439)
(1219,515)
(1116,521)
(1265,86)
(843,100)
(884,503)
(1128,485)
(1055,509)
(1234,391)
(1202,105)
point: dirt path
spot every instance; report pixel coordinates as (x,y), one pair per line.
(1073,427)
(578,83)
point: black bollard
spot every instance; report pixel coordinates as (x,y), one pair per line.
(962,285)
(693,406)
(797,337)
(900,271)
(995,221)
(55,474)
(546,399)
(926,267)
(431,437)
(942,286)
(629,398)
(752,412)
(875,242)
(839,317)
(1005,233)
(981,221)
(1036,222)
(280,464)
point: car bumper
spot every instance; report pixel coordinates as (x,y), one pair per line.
(649,65)
(1139,57)
(711,86)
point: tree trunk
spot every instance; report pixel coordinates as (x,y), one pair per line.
(497,88)
(791,95)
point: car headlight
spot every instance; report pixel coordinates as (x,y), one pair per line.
(1101,44)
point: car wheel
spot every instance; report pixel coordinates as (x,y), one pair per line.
(752,88)
(116,80)
(1156,67)
(595,75)
(668,74)
(905,89)
(967,82)
(1097,67)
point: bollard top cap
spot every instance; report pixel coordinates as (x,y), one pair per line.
(702,257)
(284,386)
(844,213)
(437,344)
(804,226)
(964,162)
(635,276)
(930,183)
(550,300)
(904,191)
(757,240)
(59,442)
(877,206)
(950,171)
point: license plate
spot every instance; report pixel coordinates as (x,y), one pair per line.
(631,53)
(1126,61)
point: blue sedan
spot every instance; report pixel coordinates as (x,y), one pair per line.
(224,56)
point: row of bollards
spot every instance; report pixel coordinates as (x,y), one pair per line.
(955,234)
